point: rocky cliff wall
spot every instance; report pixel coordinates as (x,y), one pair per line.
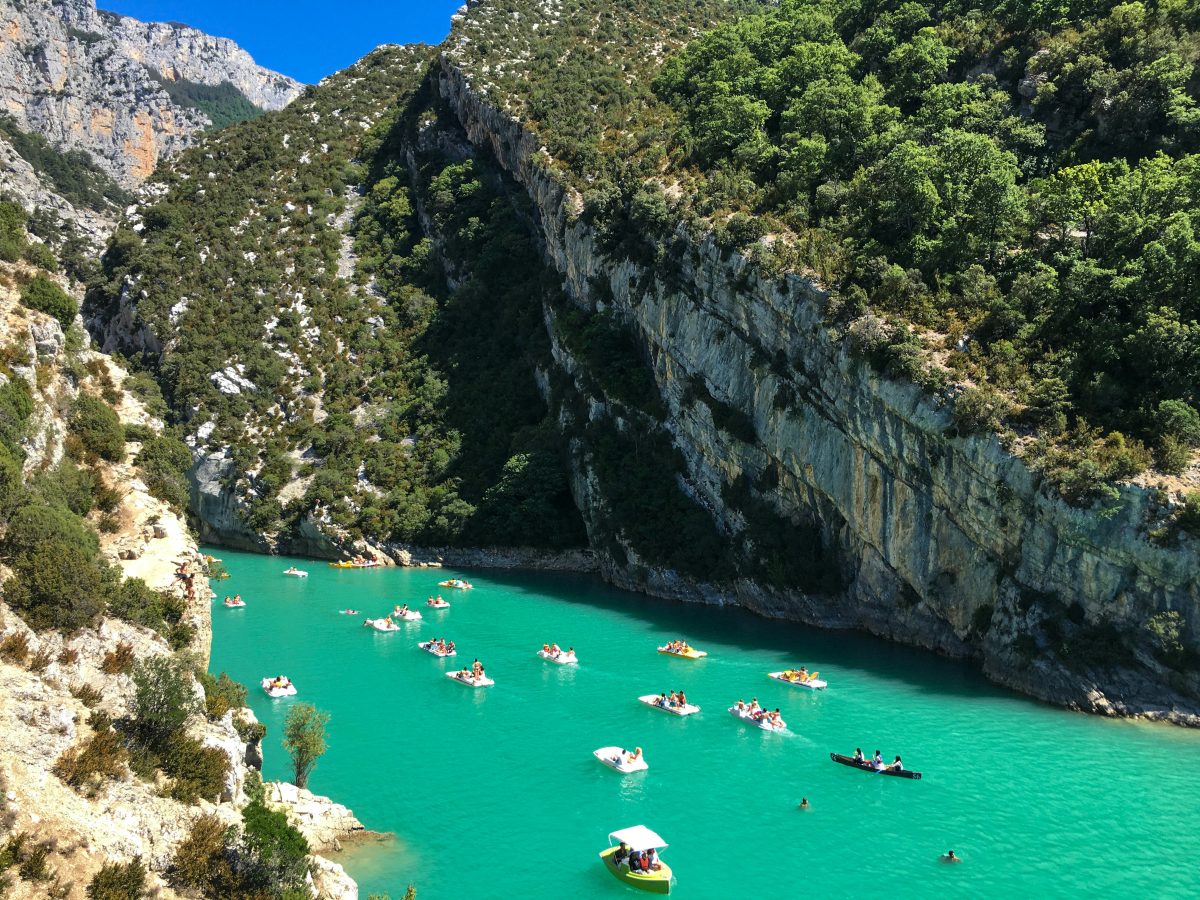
(941,541)
(79,77)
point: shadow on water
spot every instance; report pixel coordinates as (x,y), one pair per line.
(796,643)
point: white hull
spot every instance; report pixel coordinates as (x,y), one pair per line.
(380,625)
(276,692)
(563,659)
(411,616)
(813,684)
(609,755)
(296,574)
(234,605)
(761,724)
(471,682)
(438,605)
(686,710)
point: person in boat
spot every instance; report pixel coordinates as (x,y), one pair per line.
(556,650)
(802,675)
(650,860)
(635,755)
(950,857)
(402,610)
(753,707)
(682,698)
(663,701)
(570,651)
(877,760)
(450,647)
(545,648)
(634,861)
(896,765)
(621,855)
(858,756)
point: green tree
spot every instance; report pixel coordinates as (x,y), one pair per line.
(304,739)
(164,698)
(44,295)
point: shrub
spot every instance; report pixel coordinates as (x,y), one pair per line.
(35,525)
(97,426)
(1179,420)
(1173,455)
(198,771)
(165,461)
(250,732)
(15,647)
(304,739)
(101,757)
(276,852)
(163,700)
(1164,632)
(119,660)
(86,694)
(979,410)
(117,881)
(68,656)
(33,865)
(44,295)
(40,661)
(221,694)
(1189,516)
(202,859)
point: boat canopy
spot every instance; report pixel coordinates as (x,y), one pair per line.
(638,837)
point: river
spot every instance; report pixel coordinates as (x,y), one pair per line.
(495,793)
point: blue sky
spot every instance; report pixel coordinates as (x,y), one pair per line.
(307,39)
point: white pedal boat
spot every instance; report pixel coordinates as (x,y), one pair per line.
(431,647)
(295,573)
(437,604)
(687,709)
(233,604)
(381,625)
(273,691)
(563,658)
(470,681)
(812,682)
(763,723)
(621,760)
(408,616)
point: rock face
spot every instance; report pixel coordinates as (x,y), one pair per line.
(81,78)
(945,542)
(323,823)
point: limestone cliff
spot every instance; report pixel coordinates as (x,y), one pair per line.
(85,79)
(938,540)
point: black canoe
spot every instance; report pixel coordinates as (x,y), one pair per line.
(867,767)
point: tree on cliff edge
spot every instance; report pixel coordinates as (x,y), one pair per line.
(304,739)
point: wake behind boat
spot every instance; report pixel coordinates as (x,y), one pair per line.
(635,859)
(799,678)
(621,759)
(280,686)
(867,766)
(664,703)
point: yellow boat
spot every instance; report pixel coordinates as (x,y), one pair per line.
(351,564)
(686,653)
(458,583)
(639,837)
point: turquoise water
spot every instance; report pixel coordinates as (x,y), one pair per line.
(495,793)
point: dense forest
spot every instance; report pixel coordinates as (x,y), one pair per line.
(307,323)
(1002,201)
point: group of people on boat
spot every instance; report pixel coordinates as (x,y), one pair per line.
(624,757)
(472,674)
(759,713)
(235,600)
(801,674)
(436,602)
(678,647)
(280,682)
(400,610)
(445,648)
(876,762)
(556,651)
(636,860)
(673,700)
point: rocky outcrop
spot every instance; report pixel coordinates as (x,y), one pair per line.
(82,79)
(324,824)
(938,540)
